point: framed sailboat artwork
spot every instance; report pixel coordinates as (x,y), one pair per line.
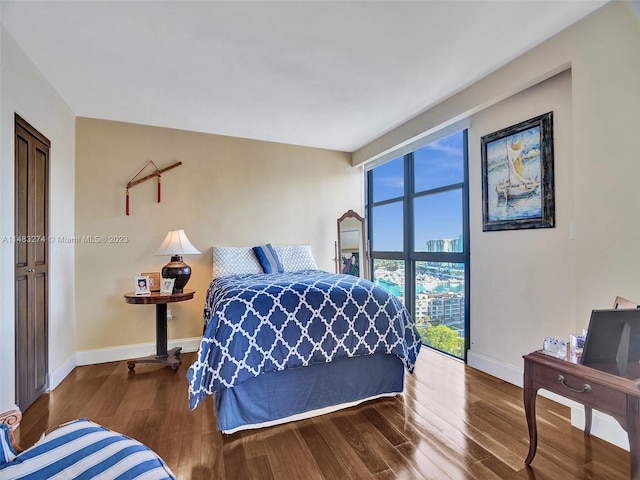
(517,176)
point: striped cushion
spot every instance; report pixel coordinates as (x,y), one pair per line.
(268,259)
(6,449)
(83,449)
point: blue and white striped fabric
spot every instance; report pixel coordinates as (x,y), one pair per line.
(7,453)
(268,259)
(84,450)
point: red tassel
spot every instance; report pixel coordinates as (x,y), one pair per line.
(159,189)
(127,202)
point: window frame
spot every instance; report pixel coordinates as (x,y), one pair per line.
(409,255)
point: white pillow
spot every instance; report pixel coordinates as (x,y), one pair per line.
(296,257)
(234,261)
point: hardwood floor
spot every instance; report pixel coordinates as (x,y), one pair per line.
(453,422)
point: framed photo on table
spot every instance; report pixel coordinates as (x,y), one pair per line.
(167,286)
(142,285)
(154,281)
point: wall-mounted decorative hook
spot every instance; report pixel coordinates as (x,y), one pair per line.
(157,172)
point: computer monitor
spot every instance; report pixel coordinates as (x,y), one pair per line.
(613,341)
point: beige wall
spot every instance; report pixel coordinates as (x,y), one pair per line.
(523,282)
(26,92)
(228,191)
(606,102)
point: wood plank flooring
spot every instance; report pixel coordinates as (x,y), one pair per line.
(453,422)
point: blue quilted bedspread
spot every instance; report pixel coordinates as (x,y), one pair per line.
(270,322)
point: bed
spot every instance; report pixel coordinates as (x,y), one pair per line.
(284,340)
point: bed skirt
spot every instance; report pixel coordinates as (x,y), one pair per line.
(295,394)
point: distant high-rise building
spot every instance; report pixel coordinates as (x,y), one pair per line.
(444,245)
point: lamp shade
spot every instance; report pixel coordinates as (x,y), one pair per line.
(177,244)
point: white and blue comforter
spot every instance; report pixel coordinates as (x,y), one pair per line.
(270,322)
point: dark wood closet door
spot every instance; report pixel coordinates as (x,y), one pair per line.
(31,252)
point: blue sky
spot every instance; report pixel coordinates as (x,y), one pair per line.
(438,216)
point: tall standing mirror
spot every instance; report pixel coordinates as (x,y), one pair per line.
(351,251)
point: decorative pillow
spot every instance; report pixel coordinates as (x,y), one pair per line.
(234,261)
(296,257)
(268,259)
(7,453)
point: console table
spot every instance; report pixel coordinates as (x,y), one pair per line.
(171,357)
(594,388)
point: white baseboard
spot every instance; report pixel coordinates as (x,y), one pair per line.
(126,352)
(489,365)
(60,373)
(603,426)
(115,354)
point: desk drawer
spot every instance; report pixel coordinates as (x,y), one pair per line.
(574,387)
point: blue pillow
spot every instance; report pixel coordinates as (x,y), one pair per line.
(7,453)
(268,259)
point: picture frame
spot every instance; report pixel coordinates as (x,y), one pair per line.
(167,286)
(154,281)
(517,176)
(142,285)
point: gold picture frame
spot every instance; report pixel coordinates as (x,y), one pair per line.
(154,281)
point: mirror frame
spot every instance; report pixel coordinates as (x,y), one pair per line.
(364,256)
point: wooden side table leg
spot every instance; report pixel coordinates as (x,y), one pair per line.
(588,415)
(530,411)
(161,330)
(633,431)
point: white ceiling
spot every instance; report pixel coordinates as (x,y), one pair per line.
(326,74)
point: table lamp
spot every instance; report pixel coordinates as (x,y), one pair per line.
(177,244)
